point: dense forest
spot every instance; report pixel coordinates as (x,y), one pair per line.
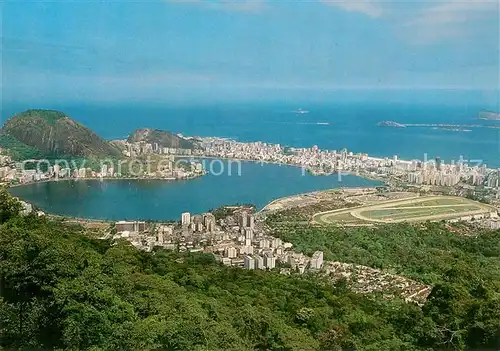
(63,289)
(17,150)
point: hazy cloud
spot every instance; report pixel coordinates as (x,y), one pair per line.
(455,12)
(453,18)
(429,21)
(368,7)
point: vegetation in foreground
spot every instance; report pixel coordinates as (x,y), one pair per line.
(427,251)
(61,289)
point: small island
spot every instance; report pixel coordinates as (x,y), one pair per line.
(489,116)
(391,124)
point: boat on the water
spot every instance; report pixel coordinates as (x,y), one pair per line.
(301,111)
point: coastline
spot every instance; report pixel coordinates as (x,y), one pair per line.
(350,173)
(356,174)
(100,179)
(263,210)
(104,179)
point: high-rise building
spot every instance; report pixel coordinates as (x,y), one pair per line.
(124,226)
(249,262)
(251,222)
(343,155)
(209,221)
(243,220)
(270,261)
(231,252)
(438,163)
(317,260)
(259,262)
(264,244)
(186,218)
(197,223)
(199,227)
(249,233)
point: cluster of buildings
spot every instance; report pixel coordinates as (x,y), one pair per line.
(18,173)
(205,223)
(432,172)
(245,244)
(7,172)
(22,173)
(138,233)
(226,148)
(236,240)
(363,279)
(439,173)
(143,148)
(240,240)
(490,223)
(30,171)
(493,179)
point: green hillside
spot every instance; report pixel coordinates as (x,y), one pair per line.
(54,133)
(17,150)
(61,289)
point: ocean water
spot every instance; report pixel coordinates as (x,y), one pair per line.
(349,125)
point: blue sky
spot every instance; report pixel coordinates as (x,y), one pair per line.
(186,50)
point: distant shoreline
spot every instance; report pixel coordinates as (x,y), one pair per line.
(364,176)
(54,180)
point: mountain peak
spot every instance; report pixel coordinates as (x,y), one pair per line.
(50,116)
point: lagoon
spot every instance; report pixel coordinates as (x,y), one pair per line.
(116,199)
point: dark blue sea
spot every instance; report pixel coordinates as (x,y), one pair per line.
(341,125)
(350,125)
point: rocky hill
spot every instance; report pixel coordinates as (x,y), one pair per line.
(161,137)
(488,115)
(54,133)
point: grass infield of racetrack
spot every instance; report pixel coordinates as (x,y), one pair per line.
(405,210)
